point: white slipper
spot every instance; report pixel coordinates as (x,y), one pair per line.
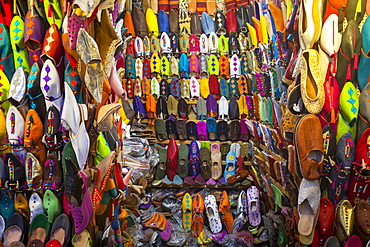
(194,88)
(212,214)
(71,117)
(235,66)
(223,110)
(50,85)
(17,88)
(15,126)
(236,148)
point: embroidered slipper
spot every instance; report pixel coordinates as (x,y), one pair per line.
(194,88)
(164,88)
(130,67)
(204,65)
(165,43)
(203,44)
(154,87)
(34,36)
(174,66)
(233,87)
(233,44)
(184,89)
(146,68)
(213,43)
(139,68)
(224,67)
(184,42)
(187,206)
(175,87)
(223,45)
(20,53)
(194,44)
(155,67)
(220,23)
(17,89)
(235,66)
(194,66)
(165,67)
(213,65)
(224,88)
(175,43)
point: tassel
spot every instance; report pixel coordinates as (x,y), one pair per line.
(345,186)
(348,76)
(50,11)
(355,63)
(54,186)
(334,63)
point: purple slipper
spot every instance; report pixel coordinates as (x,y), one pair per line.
(219,237)
(188,181)
(221,181)
(212,109)
(211,182)
(244,131)
(202,131)
(166,233)
(199,180)
(145,203)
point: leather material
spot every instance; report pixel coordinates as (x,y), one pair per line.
(196,24)
(184,42)
(220,23)
(194,44)
(164,88)
(175,43)
(307,142)
(15,170)
(233,108)
(233,44)
(207,23)
(173,21)
(162,108)
(242,19)
(183,109)
(231,23)
(163,22)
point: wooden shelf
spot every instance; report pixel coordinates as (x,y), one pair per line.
(221,187)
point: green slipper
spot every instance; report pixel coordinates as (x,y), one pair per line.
(54,12)
(160,129)
(161,167)
(20,51)
(183,168)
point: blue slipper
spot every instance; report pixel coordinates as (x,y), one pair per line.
(212,129)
